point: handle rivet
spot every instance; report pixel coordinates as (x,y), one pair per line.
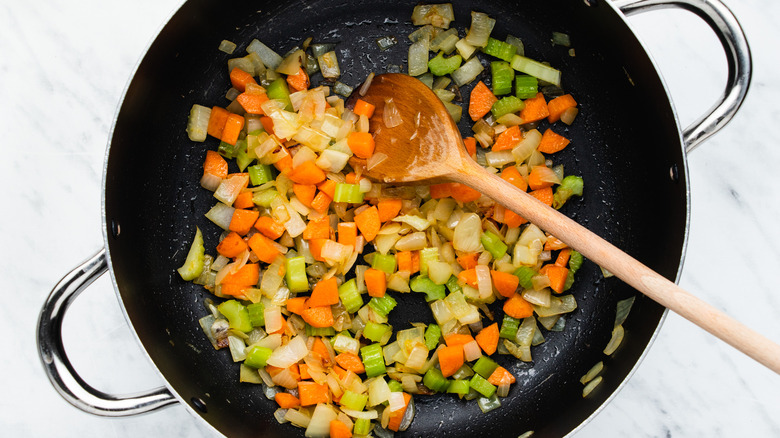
(199,404)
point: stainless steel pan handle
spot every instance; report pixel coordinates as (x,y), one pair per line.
(59,369)
(731,36)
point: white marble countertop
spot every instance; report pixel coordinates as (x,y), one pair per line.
(63,68)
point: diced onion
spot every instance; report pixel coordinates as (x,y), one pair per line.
(615,340)
(375,160)
(198,122)
(366,84)
(319,426)
(481,27)
(418,57)
(592,373)
(270,58)
(221,215)
(591,386)
(484,282)
(467,233)
(297,418)
(467,72)
(210,181)
(366,415)
(471,351)
(391,116)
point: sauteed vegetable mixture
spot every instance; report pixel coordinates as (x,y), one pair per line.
(313,254)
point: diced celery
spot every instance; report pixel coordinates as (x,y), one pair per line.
(362,426)
(384,263)
(452,285)
(500,49)
(482,386)
(458,387)
(256,314)
(257,356)
(432,336)
(485,366)
(319,331)
(349,193)
(374,331)
(236,314)
(353,401)
(509,327)
(196,257)
(570,186)
(295,274)
(502,75)
(260,174)
(350,296)
(425,285)
(395,386)
(265,198)
(493,244)
(525,274)
(536,69)
(440,66)
(228,150)
(382,305)
(373,360)
(434,380)
(526,86)
(575,261)
(278,90)
(508,104)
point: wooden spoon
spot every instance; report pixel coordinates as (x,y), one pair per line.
(427,148)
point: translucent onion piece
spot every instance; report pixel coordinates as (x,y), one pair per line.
(418,57)
(198,122)
(467,233)
(292,63)
(467,72)
(539,297)
(614,342)
(488,404)
(484,282)
(471,351)
(415,222)
(366,415)
(375,160)
(591,386)
(329,65)
(319,426)
(592,373)
(558,306)
(367,83)
(297,418)
(378,391)
(391,116)
(412,242)
(270,58)
(569,115)
(237,347)
(623,308)
(273,319)
(210,182)
(481,27)
(527,145)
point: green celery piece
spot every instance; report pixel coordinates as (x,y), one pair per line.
(383,305)
(256,314)
(264,198)
(430,254)
(526,86)
(482,386)
(384,263)
(350,296)
(441,66)
(319,331)
(395,386)
(373,360)
(257,356)
(502,75)
(569,280)
(362,426)
(260,174)
(349,193)
(435,380)
(432,290)
(500,49)
(353,401)
(242,156)
(509,327)
(485,366)
(458,387)
(575,261)
(278,90)
(570,186)
(508,104)
(524,273)
(493,244)
(375,331)
(228,150)
(196,258)
(452,285)
(432,336)
(295,274)
(236,314)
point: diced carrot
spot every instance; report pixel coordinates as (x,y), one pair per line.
(311,393)
(340,372)
(263,248)
(557,106)
(535,109)
(232,245)
(536,178)
(299,81)
(305,193)
(501,377)
(563,257)
(368,223)
(320,351)
(285,164)
(321,202)
(325,293)
(450,359)
(471,145)
(545,195)
(347,233)
(457,339)
(317,229)
(439,191)
(304,370)
(243,220)
(233,126)
(404,260)
(217,121)
(468,276)
(269,227)
(376,282)
(388,208)
(553,243)
(319,317)
(363,108)
(557,275)
(361,144)
(351,178)
(508,139)
(552,142)
(481,101)
(468,260)
(307,173)
(487,338)
(338,429)
(248,275)
(285,400)
(351,362)
(512,219)
(233,290)
(396,416)
(268,124)
(215,164)
(415,261)
(315,248)
(329,187)
(239,78)
(252,102)
(517,307)
(463,193)
(505,283)
(244,200)
(512,176)
(296,305)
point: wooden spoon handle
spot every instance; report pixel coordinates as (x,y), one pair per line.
(625,267)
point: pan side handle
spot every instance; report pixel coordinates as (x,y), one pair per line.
(59,369)
(729,32)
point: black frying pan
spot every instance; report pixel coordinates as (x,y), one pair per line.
(626,143)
